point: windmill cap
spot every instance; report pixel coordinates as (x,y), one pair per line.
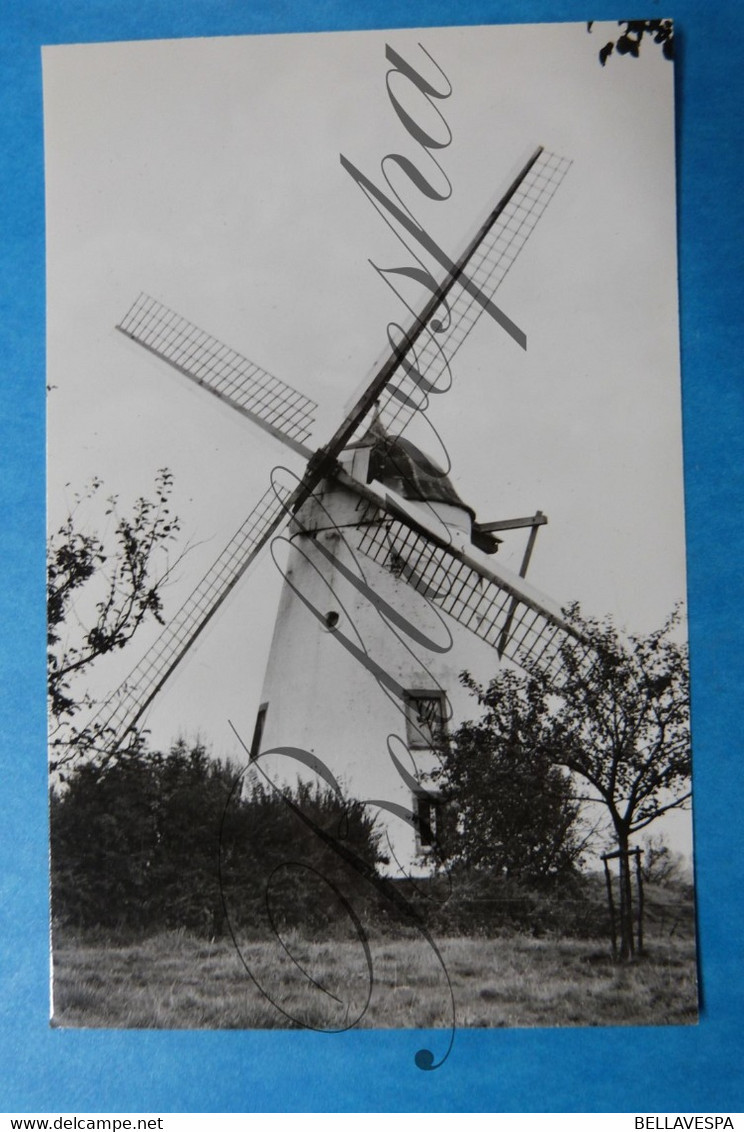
(399,464)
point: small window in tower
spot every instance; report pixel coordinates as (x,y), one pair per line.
(426,808)
(424,719)
(258,731)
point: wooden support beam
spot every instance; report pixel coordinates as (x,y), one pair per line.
(536,520)
(531,543)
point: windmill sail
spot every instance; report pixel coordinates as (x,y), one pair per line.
(487,266)
(495,605)
(503,614)
(283,411)
(120,713)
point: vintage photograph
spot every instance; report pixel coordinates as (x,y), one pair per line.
(368,674)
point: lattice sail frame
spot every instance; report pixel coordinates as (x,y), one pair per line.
(487,268)
(270,402)
(120,713)
(502,614)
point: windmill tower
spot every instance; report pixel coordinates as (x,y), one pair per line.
(363,669)
(388,572)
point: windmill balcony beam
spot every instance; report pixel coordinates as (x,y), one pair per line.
(511,583)
(537,520)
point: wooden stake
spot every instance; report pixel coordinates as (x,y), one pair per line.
(639,882)
(611,902)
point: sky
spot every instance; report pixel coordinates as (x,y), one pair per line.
(207,173)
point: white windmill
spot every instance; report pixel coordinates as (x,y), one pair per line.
(363,665)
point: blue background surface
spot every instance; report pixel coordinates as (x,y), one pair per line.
(624,1070)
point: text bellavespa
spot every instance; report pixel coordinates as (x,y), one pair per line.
(699,1123)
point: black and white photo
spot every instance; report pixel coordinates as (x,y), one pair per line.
(368,682)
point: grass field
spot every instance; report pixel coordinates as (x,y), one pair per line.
(175,981)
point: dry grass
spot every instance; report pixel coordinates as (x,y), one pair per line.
(173,981)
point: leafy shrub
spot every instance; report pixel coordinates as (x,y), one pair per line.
(156,842)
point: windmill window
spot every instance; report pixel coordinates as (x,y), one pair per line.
(426,810)
(424,719)
(258,731)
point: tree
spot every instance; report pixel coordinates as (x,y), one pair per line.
(661,865)
(278,864)
(619,721)
(154,841)
(135,844)
(629,43)
(514,809)
(100,590)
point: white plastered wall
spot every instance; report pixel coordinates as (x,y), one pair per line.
(339,664)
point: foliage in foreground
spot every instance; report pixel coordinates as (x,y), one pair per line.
(157,841)
(617,722)
(101,588)
(514,812)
